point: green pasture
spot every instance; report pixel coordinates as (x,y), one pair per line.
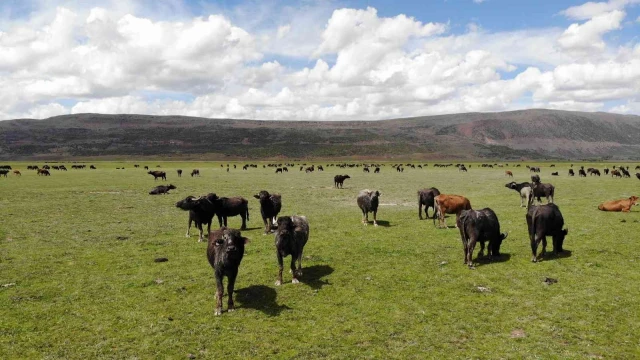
(78,278)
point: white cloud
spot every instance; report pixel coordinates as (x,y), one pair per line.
(592,9)
(346,64)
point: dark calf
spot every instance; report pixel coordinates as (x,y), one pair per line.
(291,236)
(233,206)
(224,252)
(542,221)
(158,174)
(425,198)
(479,226)
(201,211)
(338,180)
(179,172)
(270,205)
(162,189)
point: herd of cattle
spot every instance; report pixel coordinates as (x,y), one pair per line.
(225,248)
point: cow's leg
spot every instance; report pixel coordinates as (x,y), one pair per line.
(293,269)
(365,218)
(420,210)
(199,226)
(300,264)
(470,246)
(244,222)
(189,227)
(481,253)
(219,293)
(230,286)
(267,226)
(534,247)
(280,266)
(544,246)
(219,220)
(375,221)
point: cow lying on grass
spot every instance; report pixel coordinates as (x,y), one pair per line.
(291,236)
(479,226)
(623,205)
(224,252)
(162,189)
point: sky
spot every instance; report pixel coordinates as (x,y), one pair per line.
(316,60)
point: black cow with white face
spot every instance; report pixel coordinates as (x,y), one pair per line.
(542,221)
(480,226)
(224,252)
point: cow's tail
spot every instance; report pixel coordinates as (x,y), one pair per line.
(503,236)
(463,231)
(247,213)
(533,222)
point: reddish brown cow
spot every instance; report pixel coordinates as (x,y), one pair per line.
(450,204)
(623,205)
(508,173)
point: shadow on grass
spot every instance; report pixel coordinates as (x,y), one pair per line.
(549,255)
(260,297)
(312,276)
(383,223)
(486,260)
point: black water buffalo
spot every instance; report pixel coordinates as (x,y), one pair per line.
(542,221)
(524,189)
(4,172)
(162,189)
(338,180)
(535,178)
(201,211)
(479,226)
(376,171)
(368,202)
(581,173)
(195,172)
(554,173)
(44,172)
(158,174)
(571,173)
(291,236)
(638,176)
(225,207)
(270,205)
(179,172)
(224,252)
(425,198)
(539,190)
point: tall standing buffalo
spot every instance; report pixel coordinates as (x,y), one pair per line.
(158,174)
(224,252)
(291,237)
(542,221)
(479,226)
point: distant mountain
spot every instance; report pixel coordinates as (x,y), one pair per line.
(526,134)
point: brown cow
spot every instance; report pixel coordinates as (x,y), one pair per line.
(17,172)
(623,205)
(508,173)
(450,204)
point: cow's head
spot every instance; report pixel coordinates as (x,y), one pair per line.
(189,203)
(511,185)
(171,187)
(228,243)
(634,200)
(262,195)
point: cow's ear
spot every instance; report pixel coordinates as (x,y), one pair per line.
(246,241)
(256,196)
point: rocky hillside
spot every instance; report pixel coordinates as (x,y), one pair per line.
(526,134)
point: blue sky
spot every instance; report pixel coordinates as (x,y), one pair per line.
(325,60)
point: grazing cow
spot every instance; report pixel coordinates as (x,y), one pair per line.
(616,173)
(43,172)
(426,199)
(291,236)
(571,173)
(538,190)
(146,168)
(279,170)
(158,174)
(376,171)
(179,172)
(162,189)
(195,172)
(542,221)
(92,167)
(462,168)
(4,172)
(554,173)
(368,202)
(625,173)
(225,207)
(524,189)
(479,226)
(623,205)
(285,169)
(320,168)
(508,173)
(449,204)
(270,205)
(606,171)
(17,173)
(224,252)
(366,169)
(638,176)
(338,180)
(201,211)
(581,173)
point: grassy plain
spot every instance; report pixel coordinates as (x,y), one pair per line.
(78,278)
